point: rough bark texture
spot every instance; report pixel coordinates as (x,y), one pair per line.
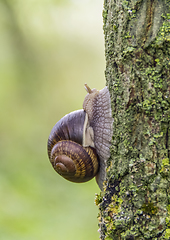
(135,203)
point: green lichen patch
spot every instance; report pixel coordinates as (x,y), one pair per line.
(98,199)
(165,167)
(149,208)
(164,33)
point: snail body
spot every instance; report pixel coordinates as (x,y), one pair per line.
(79,143)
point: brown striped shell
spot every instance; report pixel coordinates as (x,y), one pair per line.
(66,153)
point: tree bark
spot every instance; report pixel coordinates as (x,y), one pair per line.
(135,203)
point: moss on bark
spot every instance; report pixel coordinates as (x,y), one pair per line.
(135,203)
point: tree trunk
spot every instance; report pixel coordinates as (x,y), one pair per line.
(135,203)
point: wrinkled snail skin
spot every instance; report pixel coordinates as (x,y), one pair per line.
(97,105)
(79,144)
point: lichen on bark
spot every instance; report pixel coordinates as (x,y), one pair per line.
(135,203)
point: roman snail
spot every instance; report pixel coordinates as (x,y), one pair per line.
(79,143)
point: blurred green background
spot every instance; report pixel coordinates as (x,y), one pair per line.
(48,50)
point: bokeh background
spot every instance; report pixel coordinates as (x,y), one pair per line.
(48,50)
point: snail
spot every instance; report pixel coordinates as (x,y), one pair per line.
(79,143)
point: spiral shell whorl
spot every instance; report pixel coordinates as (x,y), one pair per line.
(73,162)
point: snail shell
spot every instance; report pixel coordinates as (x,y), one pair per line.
(72,161)
(79,144)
